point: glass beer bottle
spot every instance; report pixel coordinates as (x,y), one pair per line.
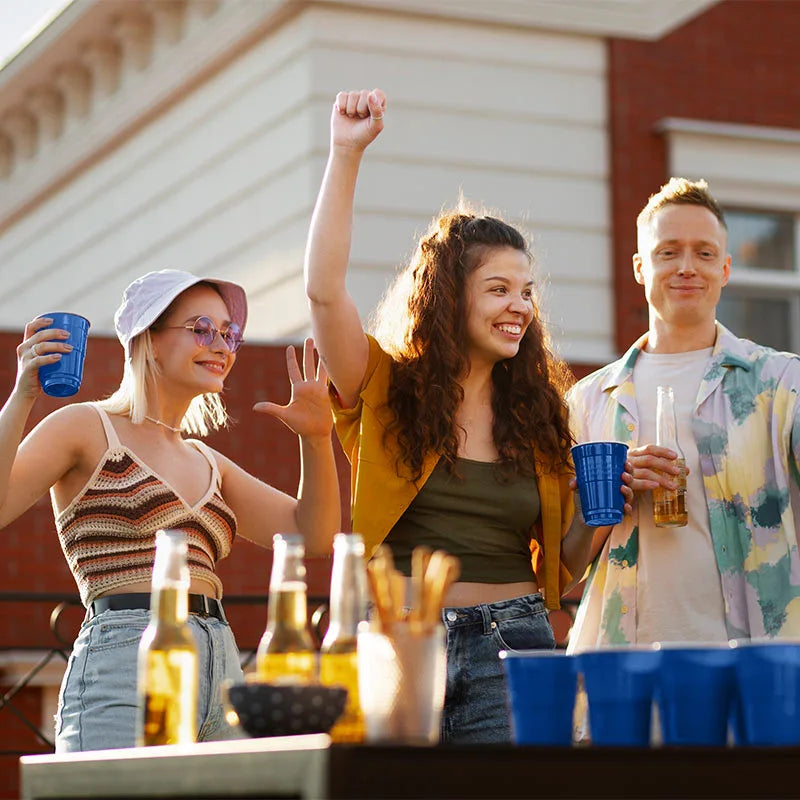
(286,653)
(669,505)
(338,664)
(167,662)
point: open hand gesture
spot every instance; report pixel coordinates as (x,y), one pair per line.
(308,413)
(357,118)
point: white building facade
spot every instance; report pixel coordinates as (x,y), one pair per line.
(193,134)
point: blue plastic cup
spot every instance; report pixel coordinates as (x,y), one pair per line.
(620,684)
(737,718)
(63,379)
(768,680)
(695,692)
(598,468)
(541,693)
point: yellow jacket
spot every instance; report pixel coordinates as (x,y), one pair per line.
(379,496)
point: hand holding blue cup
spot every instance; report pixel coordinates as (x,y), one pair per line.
(598,469)
(63,378)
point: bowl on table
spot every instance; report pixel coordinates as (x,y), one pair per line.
(270,709)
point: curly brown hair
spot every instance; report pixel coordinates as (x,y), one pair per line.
(422,324)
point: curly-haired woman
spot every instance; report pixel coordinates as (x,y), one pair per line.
(454,425)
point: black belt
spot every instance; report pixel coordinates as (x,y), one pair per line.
(198,604)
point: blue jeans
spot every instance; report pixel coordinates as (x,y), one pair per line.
(97,701)
(476,705)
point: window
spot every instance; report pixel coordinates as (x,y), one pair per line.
(762,299)
(752,171)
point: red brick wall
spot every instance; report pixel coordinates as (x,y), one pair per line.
(739,62)
(33,561)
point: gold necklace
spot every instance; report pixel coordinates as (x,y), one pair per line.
(163,424)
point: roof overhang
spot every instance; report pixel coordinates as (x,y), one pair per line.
(630,19)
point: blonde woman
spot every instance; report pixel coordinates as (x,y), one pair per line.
(120,469)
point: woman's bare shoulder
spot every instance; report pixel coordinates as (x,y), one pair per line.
(76,423)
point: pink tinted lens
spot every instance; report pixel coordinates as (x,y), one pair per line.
(205,331)
(233,337)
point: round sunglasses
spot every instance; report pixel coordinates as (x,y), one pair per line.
(205,333)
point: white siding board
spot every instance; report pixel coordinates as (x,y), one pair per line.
(386,241)
(453,40)
(165,156)
(574,255)
(223,183)
(472,85)
(476,140)
(285,306)
(542,199)
(579,318)
(367,286)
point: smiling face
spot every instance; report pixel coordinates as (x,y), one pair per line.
(499,303)
(683,264)
(200,369)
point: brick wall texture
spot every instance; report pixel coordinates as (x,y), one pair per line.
(33,561)
(738,63)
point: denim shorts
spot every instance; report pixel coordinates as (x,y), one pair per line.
(97,700)
(476,704)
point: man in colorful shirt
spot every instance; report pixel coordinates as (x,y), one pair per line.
(734,570)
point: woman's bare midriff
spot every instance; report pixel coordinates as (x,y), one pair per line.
(197,586)
(465,593)
(472,594)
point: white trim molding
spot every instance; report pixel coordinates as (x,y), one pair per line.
(745,165)
(633,19)
(103,68)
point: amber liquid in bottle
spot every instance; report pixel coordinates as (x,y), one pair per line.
(669,505)
(339,654)
(286,653)
(341,669)
(167,662)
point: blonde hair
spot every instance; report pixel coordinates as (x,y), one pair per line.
(680,191)
(206,412)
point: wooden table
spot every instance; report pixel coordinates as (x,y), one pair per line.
(310,767)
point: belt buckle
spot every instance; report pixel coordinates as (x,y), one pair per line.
(206,611)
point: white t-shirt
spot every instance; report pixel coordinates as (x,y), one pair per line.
(679,595)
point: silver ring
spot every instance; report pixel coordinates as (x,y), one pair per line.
(34,350)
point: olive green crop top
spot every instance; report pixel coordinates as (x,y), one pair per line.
(484,522)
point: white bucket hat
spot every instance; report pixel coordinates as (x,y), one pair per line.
(148,297)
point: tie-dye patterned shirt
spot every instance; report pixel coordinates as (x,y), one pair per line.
(746,425)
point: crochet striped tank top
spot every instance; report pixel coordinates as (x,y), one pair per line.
(108,531)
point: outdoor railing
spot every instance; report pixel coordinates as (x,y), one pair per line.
(60,646)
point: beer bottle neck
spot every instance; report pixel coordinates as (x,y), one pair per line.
(348,598)
(170,604)
(169,598)
(666,422)
(287,608)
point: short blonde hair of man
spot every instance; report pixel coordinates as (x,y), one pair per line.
(680,191)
